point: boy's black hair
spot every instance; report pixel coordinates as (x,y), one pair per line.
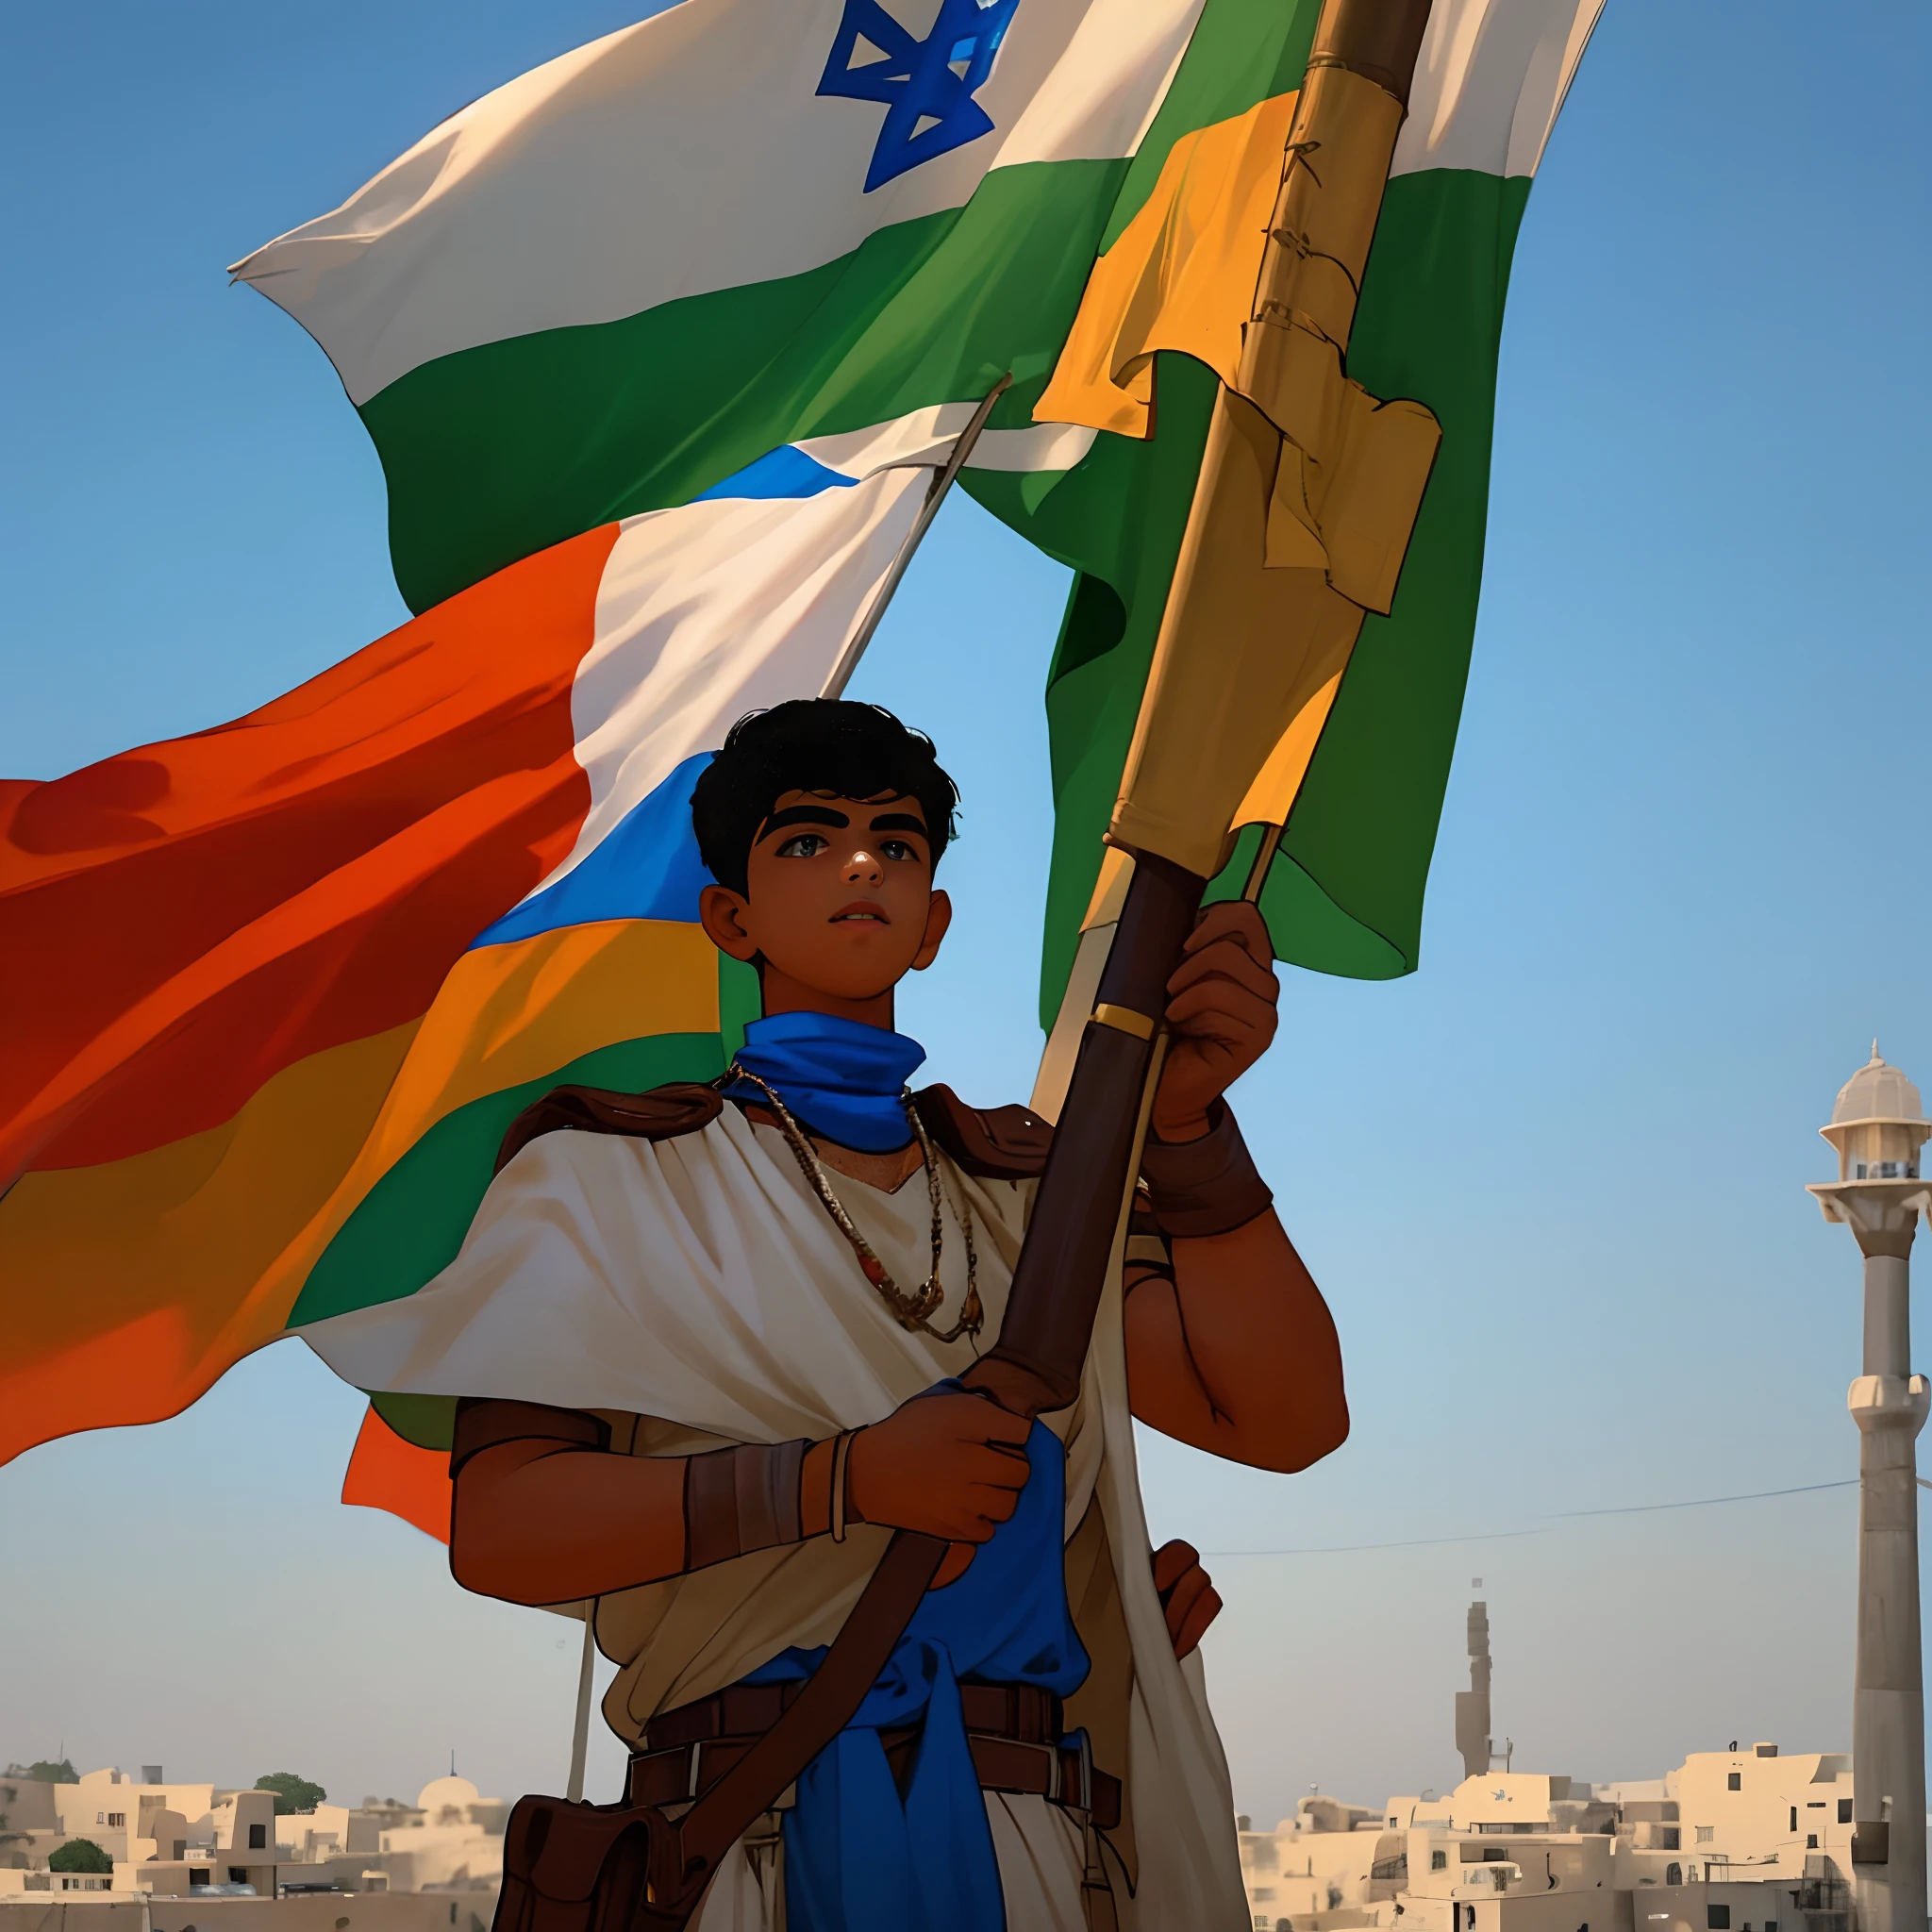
(812,744)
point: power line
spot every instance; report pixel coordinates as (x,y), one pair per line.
(1707,1501)
(1557,1515)
(1495,1536)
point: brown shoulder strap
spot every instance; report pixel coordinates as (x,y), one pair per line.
(998,1143)
(662,1114)
(820,1711)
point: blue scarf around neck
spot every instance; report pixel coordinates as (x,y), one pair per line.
(841,1078)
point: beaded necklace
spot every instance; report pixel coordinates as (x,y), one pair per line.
(911,1312)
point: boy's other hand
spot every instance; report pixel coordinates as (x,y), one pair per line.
(1221,1014)
(1187,1594)
(948,1465)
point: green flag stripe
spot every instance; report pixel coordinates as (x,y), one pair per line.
(410,1225)
(1117,518)
(1430,326)
(427,1420)
(1348,896)
(408,1228)
(499,451)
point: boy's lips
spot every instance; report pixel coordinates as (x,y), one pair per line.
(861,908)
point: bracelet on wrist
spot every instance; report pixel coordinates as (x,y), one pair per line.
(1204,1187)
(842,1464)
(751,1497)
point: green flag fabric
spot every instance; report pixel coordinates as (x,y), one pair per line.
(1345,894)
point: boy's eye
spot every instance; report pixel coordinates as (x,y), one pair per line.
(806,845)
(897,848)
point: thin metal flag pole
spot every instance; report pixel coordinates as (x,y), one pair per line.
(1264,858)
(935,495)
(581,1736)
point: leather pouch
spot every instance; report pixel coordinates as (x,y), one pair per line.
(594,1868)
(634,1868)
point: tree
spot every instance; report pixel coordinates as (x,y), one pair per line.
(79,1854)
(293,1793)
(46,1771)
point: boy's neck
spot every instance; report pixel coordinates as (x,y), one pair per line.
(785,994)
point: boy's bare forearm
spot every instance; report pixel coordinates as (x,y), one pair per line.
(542,1521)
(1237,1354)
(536,1524)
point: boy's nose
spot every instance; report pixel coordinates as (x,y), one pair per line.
(862,865)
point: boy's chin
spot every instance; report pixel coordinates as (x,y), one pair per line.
(859,992)
(847,981)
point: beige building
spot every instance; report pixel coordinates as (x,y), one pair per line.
(176,1841)
(174,1836)
(455,1843)
(365,1912)
(1735,1841)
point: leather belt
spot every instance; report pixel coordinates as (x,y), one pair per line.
(1012,1730)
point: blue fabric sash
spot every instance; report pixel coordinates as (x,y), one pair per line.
(841,1077)
(857,1856)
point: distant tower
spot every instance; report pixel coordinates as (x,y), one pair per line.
(1473,1705)
(1879,1126)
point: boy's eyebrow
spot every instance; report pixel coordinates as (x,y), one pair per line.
(805,815)
(899,822)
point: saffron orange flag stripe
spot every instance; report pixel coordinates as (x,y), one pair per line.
(282,985)
(220,950)
(305,876)
(386,1473)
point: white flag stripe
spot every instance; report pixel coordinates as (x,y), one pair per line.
(687,153)
(1489,81)
(728,604)
(926,436)
(716,609)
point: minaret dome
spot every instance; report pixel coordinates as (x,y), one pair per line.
(1878,1125)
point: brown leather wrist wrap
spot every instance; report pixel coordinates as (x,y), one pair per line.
(741,1499)
(1204,1187)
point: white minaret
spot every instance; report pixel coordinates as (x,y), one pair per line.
(1879,1128)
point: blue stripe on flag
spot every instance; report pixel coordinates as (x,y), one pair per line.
(781,471)
(645,867)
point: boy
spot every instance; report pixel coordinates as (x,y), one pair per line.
(699,1331)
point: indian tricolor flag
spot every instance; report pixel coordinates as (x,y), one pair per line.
(277,990)
(660,346)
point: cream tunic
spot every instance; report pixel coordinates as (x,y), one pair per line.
(696,1292)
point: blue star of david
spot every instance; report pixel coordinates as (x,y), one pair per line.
(928,86)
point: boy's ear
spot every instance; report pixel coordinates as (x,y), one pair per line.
(939,916)
(721,913)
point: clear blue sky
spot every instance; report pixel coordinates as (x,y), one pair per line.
(1551,1184)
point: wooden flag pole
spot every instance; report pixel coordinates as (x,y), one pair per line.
(1268,596)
